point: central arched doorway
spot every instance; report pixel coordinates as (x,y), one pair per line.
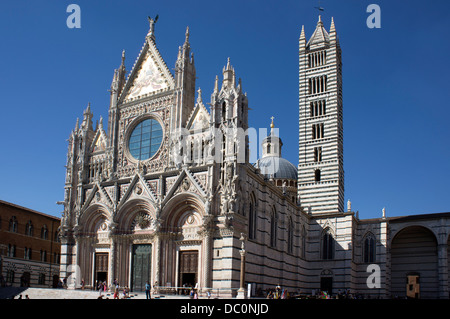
(141,266)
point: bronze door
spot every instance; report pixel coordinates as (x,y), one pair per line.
(101,268)
(188,267)
(141,266)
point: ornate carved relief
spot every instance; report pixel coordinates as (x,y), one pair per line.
(142,221)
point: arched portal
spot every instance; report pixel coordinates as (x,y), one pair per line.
(135,249)
(92,245)
(414,263)
(185,248)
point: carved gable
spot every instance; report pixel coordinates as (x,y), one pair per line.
(150,74)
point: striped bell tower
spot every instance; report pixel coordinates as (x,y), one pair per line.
(321,162)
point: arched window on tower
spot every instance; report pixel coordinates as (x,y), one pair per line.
(317,175)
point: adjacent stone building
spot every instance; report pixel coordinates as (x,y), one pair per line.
(167,193)
(29,247)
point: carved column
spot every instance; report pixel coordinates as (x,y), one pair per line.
(73,270)
(207,240)
(156,281)
(206,231)
(112,262)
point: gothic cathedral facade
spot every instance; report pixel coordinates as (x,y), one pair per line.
(167,193)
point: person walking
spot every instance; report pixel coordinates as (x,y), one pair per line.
(116,291)
(100,287)
(147,291)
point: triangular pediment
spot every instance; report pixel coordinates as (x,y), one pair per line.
(97,195)
(185,182)
(150,74)
(99,142)
(199,119)
(137,189)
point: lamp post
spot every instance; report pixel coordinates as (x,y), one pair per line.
(242,293)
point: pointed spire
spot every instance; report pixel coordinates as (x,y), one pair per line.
(186,45)
(199,97)
(320,35)
(333,37)
(239,87)
(187,34)
(216,84)
(302,40)
(87,118)
(271,125)
(184,54)
(302,34)
(229,79)
(122,64)
(179,53)
(77,125)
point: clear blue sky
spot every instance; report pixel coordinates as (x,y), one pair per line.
(395,85)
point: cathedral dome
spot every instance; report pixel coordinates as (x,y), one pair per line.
(272,165)
(276,167)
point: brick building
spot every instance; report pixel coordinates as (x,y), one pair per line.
(29,247)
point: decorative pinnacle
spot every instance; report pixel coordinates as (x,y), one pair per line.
(216,84)
(88,109)
(320,23)
(199,97)
(302,34)
(332,27)
(187,34)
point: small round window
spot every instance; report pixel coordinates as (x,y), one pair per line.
(145,139)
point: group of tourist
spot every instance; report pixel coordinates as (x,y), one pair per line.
(278,293)
(102,287)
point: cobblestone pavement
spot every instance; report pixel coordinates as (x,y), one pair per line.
(49,293)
